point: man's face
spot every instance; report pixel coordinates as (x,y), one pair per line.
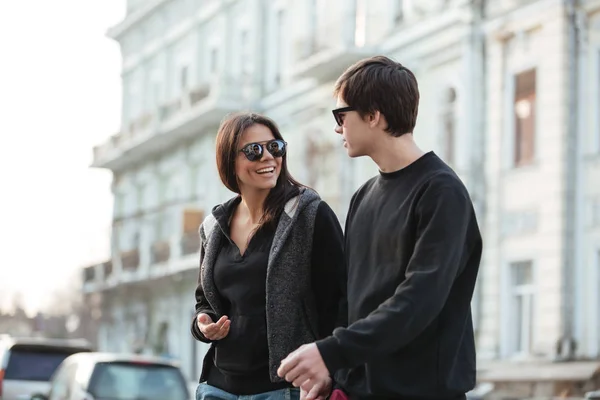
(354,130)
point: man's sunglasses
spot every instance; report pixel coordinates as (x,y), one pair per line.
(255,151)
(338,114)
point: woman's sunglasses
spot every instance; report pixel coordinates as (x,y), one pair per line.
(255,151)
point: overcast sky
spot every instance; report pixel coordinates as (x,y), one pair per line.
(59,96)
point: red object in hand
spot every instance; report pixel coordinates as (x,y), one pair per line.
(338,394)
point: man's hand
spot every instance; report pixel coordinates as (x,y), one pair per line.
(213,330)
(305,368)
(319,391)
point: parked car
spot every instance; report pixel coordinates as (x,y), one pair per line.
(106,376)
(27,364)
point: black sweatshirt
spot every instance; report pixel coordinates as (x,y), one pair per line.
(242,358)
(413,249)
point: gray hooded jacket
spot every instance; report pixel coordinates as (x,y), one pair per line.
(293,314)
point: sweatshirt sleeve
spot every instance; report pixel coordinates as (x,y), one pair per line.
(202,305)
(328,276)
(444,215)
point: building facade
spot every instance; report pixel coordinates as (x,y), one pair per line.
(509,98)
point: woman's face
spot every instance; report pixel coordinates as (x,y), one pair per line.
(262,173)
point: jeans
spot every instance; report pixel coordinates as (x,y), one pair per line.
(207,392)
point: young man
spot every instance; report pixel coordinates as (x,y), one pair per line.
(413,249)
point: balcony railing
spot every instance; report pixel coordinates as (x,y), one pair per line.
(89,274)
(327,51)
(108,269)
(141,123)
(144,260)
(95,276)
(198,108)
(308,46)
(130,260)
(190,243)
(160,252)
(199,93)
(171,108)
(103,150)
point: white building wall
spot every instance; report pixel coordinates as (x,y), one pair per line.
(525,204)
(520,209)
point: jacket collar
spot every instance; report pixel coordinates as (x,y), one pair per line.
(292,209)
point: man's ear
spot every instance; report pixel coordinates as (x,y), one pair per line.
(374,118)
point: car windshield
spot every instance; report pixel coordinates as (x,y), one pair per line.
(137,381)
(35,363)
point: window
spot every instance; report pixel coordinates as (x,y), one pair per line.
(214,60)
(120,205)
(522,308)
(279,43)
(598,300)
(161,226)
(155,84)
(449,127)
(245,53)
(313,18)
(183,77)
(398,11)
(194,181)
(524,115)
(135,240)
(163,190)
(361,24)
(61,385)
(115,237)
(320,26)
(135,100)
(35,363)
(155,91)
(141,196)
(129,202)
(190,240)
(192,219)
(123,380)
(597,101)
(448,121)
(162,340)
(595,212)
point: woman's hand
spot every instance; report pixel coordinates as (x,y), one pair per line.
(213,330)
(319,391)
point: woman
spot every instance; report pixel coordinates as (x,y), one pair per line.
(272,271)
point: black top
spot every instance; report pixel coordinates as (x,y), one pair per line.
(242,357)
(413,249)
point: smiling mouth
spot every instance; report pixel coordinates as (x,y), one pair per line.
(267,170)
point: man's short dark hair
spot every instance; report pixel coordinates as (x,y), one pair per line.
(381,84)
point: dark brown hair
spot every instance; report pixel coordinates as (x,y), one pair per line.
(228,146)
(381,84)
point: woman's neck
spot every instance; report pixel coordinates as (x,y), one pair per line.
(252,205)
